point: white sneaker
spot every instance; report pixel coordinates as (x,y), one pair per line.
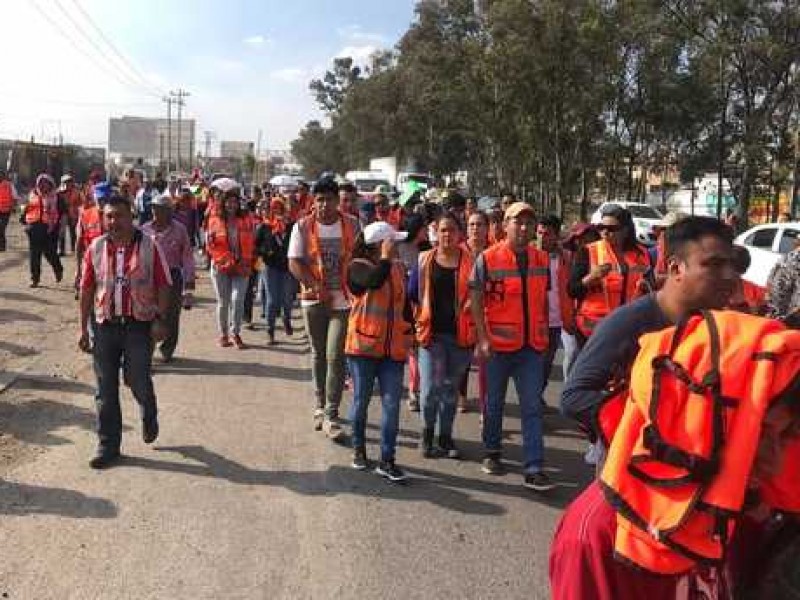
(332,429)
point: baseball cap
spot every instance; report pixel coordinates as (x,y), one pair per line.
(161,200)
(375,233)
(518,208)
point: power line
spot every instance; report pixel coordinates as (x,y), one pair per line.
(114,49)
(78,47)
(100,52)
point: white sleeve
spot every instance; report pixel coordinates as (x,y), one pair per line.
(295,249)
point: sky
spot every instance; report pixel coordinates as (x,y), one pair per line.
(245,63)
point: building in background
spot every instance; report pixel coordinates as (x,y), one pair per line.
(152,142)
(237,150)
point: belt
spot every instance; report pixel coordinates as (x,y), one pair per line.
(122,321)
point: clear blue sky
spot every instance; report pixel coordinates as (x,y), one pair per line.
(246,63)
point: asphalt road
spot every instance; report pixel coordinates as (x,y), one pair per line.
(239,497)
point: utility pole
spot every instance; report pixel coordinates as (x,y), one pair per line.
(169,101)
(255,162)
(180,94)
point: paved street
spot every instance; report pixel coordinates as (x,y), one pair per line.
(239,497)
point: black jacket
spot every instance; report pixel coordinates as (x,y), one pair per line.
(273,248)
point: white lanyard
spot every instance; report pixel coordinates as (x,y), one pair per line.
(119,282)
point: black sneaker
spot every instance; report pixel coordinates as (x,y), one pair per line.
(149,431)
(538,482)
(390,471)
(448,447)
(360,462)
(104,459)
(492,465)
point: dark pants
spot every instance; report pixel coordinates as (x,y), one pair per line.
(249,296)
(114,344)
(549,357)
(43,242)
(4,216)
(279,296)
(71,231)
(173,317)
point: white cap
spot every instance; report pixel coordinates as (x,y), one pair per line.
(376,232)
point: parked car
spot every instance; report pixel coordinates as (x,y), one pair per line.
(768,244)
(645,218)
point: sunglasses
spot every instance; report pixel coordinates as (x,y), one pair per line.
(609,228)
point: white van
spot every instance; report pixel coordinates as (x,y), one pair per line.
(367,181)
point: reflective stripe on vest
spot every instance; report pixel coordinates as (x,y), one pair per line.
(680,462)
(6,197)
(619,287)
(140,274)
(35,211)
(465,325)
(308,229)
(503,299)
(376,327)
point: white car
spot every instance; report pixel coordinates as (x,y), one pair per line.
(768,244)
(645,218)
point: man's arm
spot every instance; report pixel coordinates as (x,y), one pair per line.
(476,284)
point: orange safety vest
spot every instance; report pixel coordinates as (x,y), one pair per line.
(619,287)
(90,225)
(465,325)
(6,196)
(679,465)
(502,299)
(35,211)
(376,327)
(308,229)
(140,275)
(222,255)
(74,201)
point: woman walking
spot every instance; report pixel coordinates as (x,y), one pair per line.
(378,340)
(272,243)
(41,218)
(445,332)
(231,247)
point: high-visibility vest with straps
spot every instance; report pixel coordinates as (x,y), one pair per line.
(619,287)
(308,229)
(36,211)
(219,247)
(465,325)
(6,196)
(140,274)
(679,464)
(376,327)
(503,299)
(90,225)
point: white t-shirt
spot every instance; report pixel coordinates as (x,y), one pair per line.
(553,299)
(330,242)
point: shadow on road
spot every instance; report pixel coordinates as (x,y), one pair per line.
(336,480)
(14,261)
(35,421)
(16,349)
(20,499)
(199,366)
(9,314)
(23,297)
(55,384)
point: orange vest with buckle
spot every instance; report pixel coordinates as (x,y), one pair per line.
(680,462)
(308,229)
(140,274)
(376,327)
(619,287)
(89,225)
(503,299)
(6,196)
(465,326)
(219,248)
(35,211)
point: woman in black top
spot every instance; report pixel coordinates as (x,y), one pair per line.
(272,242)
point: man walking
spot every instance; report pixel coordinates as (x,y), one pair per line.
(319,248)
(173,239)
(8,197)
(126,280)
(71,199)
(41,219)
(509,304)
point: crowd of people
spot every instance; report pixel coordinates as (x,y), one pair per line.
(687,498)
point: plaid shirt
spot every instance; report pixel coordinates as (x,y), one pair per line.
(783,286)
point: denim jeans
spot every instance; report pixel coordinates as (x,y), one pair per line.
(441,366)
(279,296)
(115,344)
(549,356)
(326,328)
(525,368)
(230,293)
(389,374)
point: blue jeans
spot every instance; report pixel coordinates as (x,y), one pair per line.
(441,367)
(525,368)
(279,295)
(389,374)
(113,344)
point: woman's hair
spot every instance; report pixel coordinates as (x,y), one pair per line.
(449,216)
(482,215)
(413,224)
(627,227)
